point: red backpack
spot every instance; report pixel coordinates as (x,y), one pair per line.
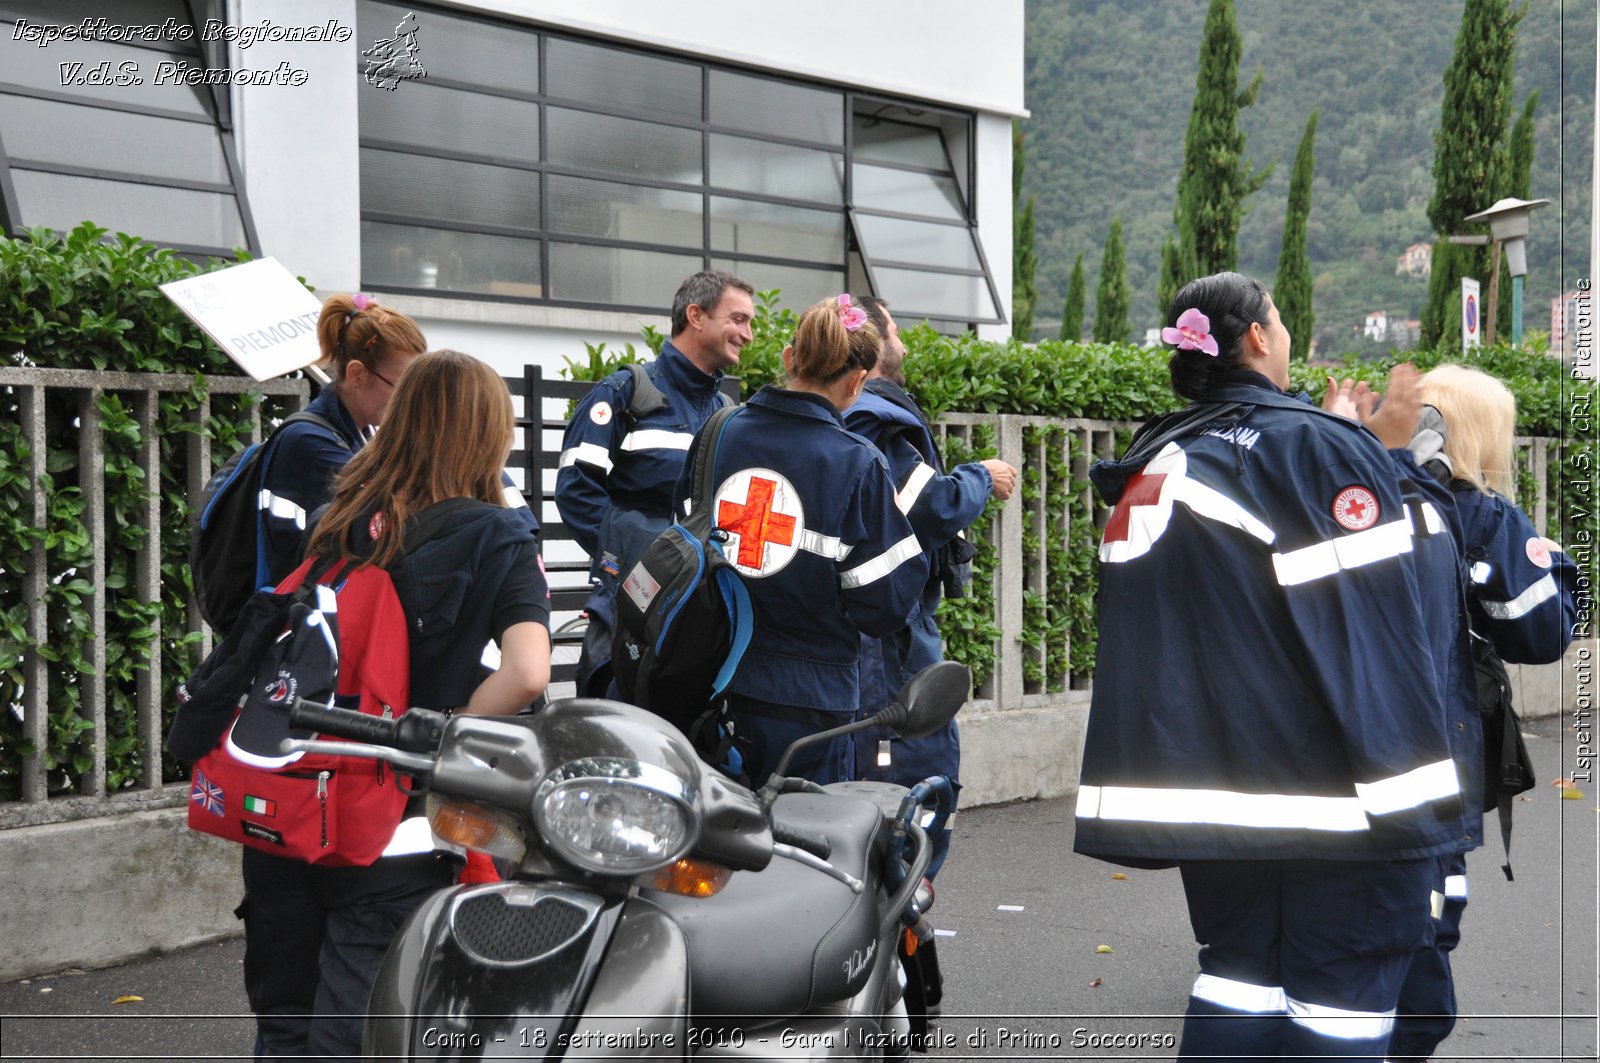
(346,640)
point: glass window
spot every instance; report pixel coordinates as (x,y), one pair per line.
(906,192)
(769,169)
(452,120)
(636,213)
(65,65)
(115,140)
(624,146)
(917,242)
(164,215)
(422,187)
(412,257)
(883,140)
(950,296)
(618,276)
(762,105)
(801,287)
(622,80)
(456,49)
(755,228)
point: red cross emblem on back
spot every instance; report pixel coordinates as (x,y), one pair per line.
(1143,490)
(755,522)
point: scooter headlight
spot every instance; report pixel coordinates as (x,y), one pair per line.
(616,816)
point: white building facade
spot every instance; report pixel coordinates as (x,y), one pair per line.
(559,168)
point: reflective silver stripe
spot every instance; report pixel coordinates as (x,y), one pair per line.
(281,508)
(1455,887)
(514,499)
(656,439)
(826,545)
(1221,808)
(588,453)
(1481,571)
(411,836)
(1208,502)
(1240,996)
(490,658)
(908,494)
(1435,904)
(1340,1024)
(1346,552)
(1431,519)
(1415,788)
(880,566)
(1543,590)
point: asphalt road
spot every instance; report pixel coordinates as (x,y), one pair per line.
(1023,922)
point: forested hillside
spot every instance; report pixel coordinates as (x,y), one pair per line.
(1109,85)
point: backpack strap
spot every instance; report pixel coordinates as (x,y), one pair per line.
(705,457)
(302,416)
(646,398)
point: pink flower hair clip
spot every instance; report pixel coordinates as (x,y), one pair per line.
(853,317)
(1192,334)
(363,302)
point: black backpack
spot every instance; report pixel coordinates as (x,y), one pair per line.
(1507,769)
(227,545)
(684,615)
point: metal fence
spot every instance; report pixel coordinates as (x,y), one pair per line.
(1023,676)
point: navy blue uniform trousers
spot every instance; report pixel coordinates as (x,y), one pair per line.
(1302,957)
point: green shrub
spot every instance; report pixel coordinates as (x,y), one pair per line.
(82,302)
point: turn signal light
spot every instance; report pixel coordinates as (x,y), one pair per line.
(690,878)
(471,827)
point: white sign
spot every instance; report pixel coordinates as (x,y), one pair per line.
(257,312)
(1471,314)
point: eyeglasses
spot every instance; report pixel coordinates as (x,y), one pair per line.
(379,375)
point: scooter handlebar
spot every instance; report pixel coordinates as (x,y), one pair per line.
(416,731)
(817,845)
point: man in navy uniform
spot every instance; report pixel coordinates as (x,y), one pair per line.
(624,449)
(940,506)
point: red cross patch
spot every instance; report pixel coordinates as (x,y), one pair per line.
(761,512)
(1355,508)
(1141,515)
(1539,551)
(600,413)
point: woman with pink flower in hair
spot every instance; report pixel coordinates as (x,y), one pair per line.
(1278,705)
(813,525)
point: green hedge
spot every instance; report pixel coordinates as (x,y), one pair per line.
(82,302)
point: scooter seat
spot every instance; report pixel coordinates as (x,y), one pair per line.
(777,942)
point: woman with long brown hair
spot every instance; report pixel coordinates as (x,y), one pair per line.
(475,598)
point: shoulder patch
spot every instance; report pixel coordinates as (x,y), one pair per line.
(1539,551)
(600,413)
(1355,508)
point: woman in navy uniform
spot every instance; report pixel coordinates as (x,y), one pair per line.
(1278,704)
(809,510)
(1522,594)
(366,347)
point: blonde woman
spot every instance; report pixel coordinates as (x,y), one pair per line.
(1522,598)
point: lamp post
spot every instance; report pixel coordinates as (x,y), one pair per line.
(1508,225)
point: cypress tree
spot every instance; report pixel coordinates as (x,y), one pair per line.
(1024,257)
(1216,178)
(1173,275)
(1111,297)
(1072,310)
(1292,289)
(1469,161)
(1519,183)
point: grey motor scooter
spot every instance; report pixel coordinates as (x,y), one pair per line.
(653,908)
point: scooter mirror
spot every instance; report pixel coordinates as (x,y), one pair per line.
(929,701)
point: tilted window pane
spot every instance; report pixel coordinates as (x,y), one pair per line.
(906,192)
(623,80)
(615,277)
(742,225)
(626,212)
(460,49)
(888,141)
(800,287)
(25,63)
(46,131)
(408,257)
(161,215)
(765,106)
(624,146)
(776,169)
(451,120)
(448,190)
(919,242)
(939,295)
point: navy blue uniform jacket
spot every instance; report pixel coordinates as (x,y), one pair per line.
(1282,669)
(812,524)
(1523,589)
